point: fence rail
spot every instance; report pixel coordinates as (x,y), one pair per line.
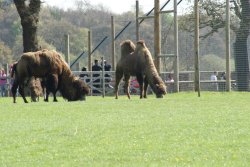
(105,85)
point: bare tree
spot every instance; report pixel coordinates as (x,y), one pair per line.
(28,11)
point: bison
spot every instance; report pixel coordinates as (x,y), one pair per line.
(137,61)
(45,64)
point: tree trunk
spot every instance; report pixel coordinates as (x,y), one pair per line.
(241,63)
(240,49)
(29,14)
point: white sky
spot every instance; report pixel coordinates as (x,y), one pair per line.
(117,6)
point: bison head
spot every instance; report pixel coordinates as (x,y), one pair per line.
(159,89)
(81,89)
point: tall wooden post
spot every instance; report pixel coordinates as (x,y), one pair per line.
(137,21)
(196,47)
(67,57)
(89,50)
(176,68)
(103,78)
(228,53)
(157,39)
(113,43)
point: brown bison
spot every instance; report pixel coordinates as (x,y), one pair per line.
(43,64)
(137,61)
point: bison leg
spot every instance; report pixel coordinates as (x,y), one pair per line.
(43,84)
(54,95)
(55,87)
(126,84)
(46,97)
(21,91)
(14,90)
(140,81)
(145,87)
(51,86)
(118,77)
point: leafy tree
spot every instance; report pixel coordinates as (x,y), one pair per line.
(213,16)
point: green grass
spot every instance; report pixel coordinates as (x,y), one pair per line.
(178,130)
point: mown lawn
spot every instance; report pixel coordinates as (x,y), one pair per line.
(178,130)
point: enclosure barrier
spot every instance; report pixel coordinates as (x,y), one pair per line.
(104,85)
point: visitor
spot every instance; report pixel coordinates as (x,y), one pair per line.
(107,67)
(222,84)
(213,78)
(170,83)
(84,76)
(3,82)
(96,77)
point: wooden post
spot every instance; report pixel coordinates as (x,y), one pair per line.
(137,21)
(176,76)
(103,78)
(113,43)
(196,47)
(157,41)
(228,53)
(67,57)
(89,50)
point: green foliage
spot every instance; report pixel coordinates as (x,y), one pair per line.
(55,22)
(5,54)
(213,63)
(179,130)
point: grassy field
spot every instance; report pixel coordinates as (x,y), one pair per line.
(178,130)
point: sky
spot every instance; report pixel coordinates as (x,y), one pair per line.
(116,6)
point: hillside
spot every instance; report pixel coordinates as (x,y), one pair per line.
(54,23)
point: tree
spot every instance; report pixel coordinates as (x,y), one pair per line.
(240,47)
(28,11)
(213,16)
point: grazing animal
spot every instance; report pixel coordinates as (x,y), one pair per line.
(42,64)
(137,61)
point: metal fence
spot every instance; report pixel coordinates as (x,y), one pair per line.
(103,85)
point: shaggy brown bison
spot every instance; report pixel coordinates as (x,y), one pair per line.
(42,64)
(137,61)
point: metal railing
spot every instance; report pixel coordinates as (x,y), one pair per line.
(103,84)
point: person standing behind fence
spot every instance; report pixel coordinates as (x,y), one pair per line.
(107,67)
(213,77)
(222,85)
(3,82)
(170,83)
(85,76)
(96,67)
